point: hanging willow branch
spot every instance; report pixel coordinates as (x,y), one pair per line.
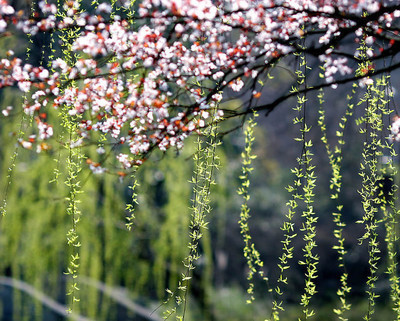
(206,162)
(335,160)
(74,167)
(251,254)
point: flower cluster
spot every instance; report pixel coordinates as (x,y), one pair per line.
(395,129)
(150,82)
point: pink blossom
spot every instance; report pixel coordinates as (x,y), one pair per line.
(236,84)
(152,83)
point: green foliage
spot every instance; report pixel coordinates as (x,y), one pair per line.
(252,256)
(206,162)
(74,166)
(302,191)
(376,107)
(335,156)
